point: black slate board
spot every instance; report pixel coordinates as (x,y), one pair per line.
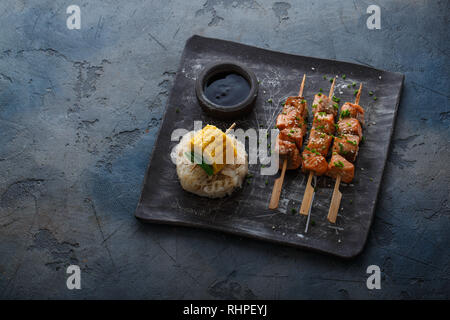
(246,212)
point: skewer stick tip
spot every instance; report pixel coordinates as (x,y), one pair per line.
(358,95)
(300,92)
(332,87)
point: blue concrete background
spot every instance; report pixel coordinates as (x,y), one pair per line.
(79,110)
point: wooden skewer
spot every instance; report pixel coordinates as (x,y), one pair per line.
(337,195)
(309,190)
(307,196)
(231,127)
(278,184)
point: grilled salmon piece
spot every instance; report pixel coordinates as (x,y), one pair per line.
(298,103)
(322,103)
(346,146)
(303,126)
(340,166)
(350,126)
(288,150)
(319,141)
(351,110)
(314,161)
(324,122)
(288,119)
(294,160)
(293,135)
(284,147)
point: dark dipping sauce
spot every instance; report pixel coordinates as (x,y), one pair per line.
(227,89)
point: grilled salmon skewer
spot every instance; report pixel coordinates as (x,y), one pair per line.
(292,125)
(319,142)
(345,150)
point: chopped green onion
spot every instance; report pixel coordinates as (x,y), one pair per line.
(345,113)
(338,164)
(335,99)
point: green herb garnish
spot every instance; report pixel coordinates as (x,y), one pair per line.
(336,99)
(345,113)
(194,158)
(338,164)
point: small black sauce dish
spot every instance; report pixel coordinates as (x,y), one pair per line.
(226,90)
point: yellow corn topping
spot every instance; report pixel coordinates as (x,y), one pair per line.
(214,144)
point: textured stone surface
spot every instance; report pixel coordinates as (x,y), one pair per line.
(78,115)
